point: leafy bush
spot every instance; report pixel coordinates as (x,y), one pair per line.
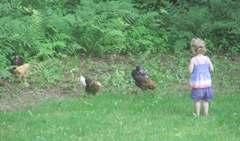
(48,72)
(47,29)
(215,21)
(44,29)
(117,27)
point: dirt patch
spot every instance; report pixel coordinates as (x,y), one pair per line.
(15,96)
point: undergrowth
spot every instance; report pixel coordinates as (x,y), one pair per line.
(169,72)
(52,105)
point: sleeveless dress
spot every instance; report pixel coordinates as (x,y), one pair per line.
(200,81)
(200,77)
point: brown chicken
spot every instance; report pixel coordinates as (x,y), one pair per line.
(20,71)
(142,81)
(91,86)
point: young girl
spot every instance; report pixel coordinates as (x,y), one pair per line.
(200,67)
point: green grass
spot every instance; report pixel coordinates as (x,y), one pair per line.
(124,117)
(121,111)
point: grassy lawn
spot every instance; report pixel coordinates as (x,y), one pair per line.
(121,111)
(124,117)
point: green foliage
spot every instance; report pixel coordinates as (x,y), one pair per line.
(116,27)
(48,73)
(42,33)
(141,37)
(49,28)
(4,69)
(4,73)
(217,21)
(46,29)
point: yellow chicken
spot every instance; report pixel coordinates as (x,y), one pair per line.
(21,71)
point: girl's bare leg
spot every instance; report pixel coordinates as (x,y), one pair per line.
(197,106)
(205,107)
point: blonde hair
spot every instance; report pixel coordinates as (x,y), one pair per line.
(198,46)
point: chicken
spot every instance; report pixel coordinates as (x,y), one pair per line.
(20,71)
(142,71)
(91,86)
(17,61)
(140,75)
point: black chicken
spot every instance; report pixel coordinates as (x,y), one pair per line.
(17,61)
(141,71)
(140,75)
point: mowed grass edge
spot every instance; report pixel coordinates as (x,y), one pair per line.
(120,111)
(113,116)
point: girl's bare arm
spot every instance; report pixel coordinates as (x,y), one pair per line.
(191,66)
(210,65)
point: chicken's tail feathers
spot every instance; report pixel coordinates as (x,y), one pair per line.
(98,83)
(152,85)
(82,80)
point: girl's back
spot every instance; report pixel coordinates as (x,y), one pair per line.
(201,64)
(200,77)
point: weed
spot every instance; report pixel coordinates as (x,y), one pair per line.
(120,110)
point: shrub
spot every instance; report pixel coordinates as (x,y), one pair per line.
(217,21)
